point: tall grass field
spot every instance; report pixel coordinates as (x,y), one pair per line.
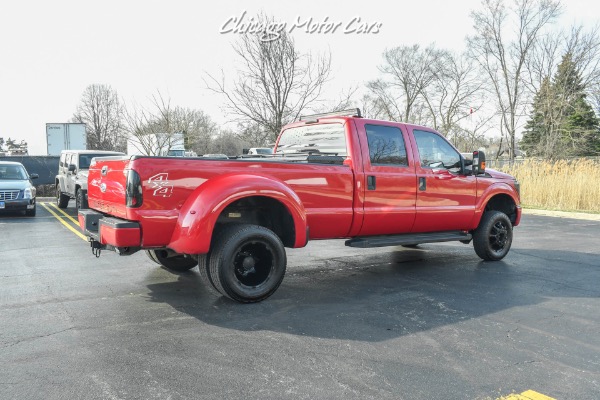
(566,185)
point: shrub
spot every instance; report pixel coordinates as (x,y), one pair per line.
(568,185)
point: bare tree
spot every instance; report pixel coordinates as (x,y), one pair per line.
(472,134)
(102,113)
(503,59)
(275,83)
(407,72)
(158,128)
(380,102)
(229,143)
(454,95)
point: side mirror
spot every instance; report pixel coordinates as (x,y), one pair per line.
(34,176)
(478,162)
(72,167)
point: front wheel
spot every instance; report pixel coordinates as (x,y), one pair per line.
(62,200)
(493,237)
(247,262)
(177,263)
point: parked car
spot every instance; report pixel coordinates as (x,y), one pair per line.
(71,180)
(17,192)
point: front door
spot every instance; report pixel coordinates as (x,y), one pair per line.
(445,197)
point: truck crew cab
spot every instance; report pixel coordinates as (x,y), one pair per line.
(338,175)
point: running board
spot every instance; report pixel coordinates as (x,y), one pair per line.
(407,239)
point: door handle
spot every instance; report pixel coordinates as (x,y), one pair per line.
(371,182)
(422,183)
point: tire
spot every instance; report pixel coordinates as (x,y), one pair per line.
(30,213)
(150,254)
(493,237)
(62,200)
(247,262)
(203,266)
(80,200)
(178,263)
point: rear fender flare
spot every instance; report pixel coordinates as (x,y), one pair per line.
(199,213)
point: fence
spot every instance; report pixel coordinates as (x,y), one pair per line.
(45,166)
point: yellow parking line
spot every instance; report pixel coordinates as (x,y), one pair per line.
(528,395)
(62,221)
(54,206)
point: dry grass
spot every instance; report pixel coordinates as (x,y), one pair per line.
(559,185)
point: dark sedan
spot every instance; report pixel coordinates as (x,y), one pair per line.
(17,193)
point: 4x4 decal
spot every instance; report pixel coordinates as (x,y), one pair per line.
(161,185)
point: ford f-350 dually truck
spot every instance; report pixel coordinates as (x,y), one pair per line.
(337,175)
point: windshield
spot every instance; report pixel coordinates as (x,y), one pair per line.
(13,172)
(86,159)
(329,139)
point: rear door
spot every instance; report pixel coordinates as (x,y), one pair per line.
(445,198)
(389,178)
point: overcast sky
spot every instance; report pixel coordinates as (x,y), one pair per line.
(51,50)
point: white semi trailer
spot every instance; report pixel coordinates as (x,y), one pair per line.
(65,136)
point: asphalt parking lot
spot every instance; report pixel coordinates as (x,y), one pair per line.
(389,323)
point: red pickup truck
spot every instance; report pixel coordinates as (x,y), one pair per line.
(337,175)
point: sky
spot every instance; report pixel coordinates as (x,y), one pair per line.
(50,51)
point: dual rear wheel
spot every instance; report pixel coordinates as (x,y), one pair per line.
(246,263)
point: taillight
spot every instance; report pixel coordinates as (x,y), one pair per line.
(133,193)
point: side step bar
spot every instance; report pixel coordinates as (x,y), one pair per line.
(407,239)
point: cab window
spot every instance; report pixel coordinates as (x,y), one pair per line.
(386,145)
(436,152)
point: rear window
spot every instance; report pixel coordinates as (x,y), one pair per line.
(326,139)
(86,159)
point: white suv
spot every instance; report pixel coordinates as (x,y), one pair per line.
(71,180)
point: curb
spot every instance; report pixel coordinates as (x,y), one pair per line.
(562,214)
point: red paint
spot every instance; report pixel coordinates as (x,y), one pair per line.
(123,237)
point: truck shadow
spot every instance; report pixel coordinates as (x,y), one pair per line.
(393,293)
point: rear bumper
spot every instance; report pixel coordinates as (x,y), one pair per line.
(109,232)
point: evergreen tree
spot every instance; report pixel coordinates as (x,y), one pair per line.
(562,122)
(538,127)
(578,126)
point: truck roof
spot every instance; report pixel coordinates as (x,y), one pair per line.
(353,113)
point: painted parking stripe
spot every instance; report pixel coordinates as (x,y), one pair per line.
(64,222)
(528,395)
(72,219)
